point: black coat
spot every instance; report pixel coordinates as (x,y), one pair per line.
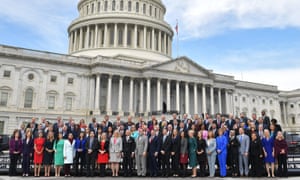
(201,146)
(175,146)
(95,145)
(128,146)
(166,146)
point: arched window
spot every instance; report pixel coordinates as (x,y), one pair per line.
(129,6)
(144,8)
(105,5)
(113,5)
(150,11)
(121,5)
(137,7)
(28,98)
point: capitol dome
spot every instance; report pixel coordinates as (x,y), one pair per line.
(128,29)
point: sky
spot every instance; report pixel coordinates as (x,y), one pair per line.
(253,40)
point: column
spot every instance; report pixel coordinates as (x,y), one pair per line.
(120,104)
(105,36)
(131,96)
(125,36)
(203,99)
(115,35)
(80,39)
(148,95)
(159,41)
(145,37)
(220,101)
(142,96)
(87,37)
(195,98)
(97,98)
(170,46)
(158,95)
(153,42)
(168,95)
(135,37)
(96,36)
(71,41)
(177,97)
(227,101)
(165,43)
(108,103)
(187,98)
(285,114)
(212,102)
(75,41)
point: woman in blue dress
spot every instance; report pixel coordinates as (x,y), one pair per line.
(192,143)
(269,151)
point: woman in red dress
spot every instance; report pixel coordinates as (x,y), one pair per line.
(103,153)
(38,153)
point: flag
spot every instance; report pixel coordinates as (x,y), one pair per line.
(176,27)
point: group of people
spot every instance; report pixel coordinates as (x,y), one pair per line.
(246,147)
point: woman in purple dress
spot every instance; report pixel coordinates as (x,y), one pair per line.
(15,149)
(269,151)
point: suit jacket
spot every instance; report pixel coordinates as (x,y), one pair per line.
(211,146)
(244,143)
(94,146)
(115,147)
(128,146)
(230,125)
(154,145)
(141,144)
(27,147)
(77,144)
(166,146)
(15,145)
(175,146)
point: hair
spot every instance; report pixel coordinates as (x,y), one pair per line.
(14,133)
(210,134)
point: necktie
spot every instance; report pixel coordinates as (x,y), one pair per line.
(241,138)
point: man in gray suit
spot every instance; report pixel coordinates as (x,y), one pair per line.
(141,153)
(243,152)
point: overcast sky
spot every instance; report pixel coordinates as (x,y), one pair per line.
(254,40)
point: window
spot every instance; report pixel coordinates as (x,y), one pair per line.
(138,38)
(293,120)
(99,6)
(292,106)
(137,7)
(155,12)
(150,11)
(144,8)
(264,101)
(1,127)
(244,99)
(120,37)
(253,100)
(28,98)
(129,37)
(111,36)
(121,5)
(87,9)
(30,76)
(51,102)
(70,81)
(129,6)
(4,99)
(236,98)
(69,103)
(92,9)
(105,6)
(271,102)
(113,5)
(6,74)
(53,79)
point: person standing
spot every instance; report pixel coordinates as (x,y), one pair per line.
(38,153)
(183,160)
(69,153)
(153,150)
(201,153)
(269,152)
(103,153)
(15,149)
(256,156)
(281,151)
(27,150)
(192,144)
(92,147)
(222,151)
(165,150)
(243,152)
(128,153)
(233,153)
(58,154)
(115,150)
(211,153)
(141,153)
(48,153)
(80,153)
(175,152)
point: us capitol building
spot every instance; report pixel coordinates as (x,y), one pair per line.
(119,63)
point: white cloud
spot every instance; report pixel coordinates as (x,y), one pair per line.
(204,18)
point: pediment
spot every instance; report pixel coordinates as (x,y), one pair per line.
(182,65)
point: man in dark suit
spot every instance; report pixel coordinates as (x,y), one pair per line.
(165,151)
(106,123)
(94,125)
(230,122)
(266,119)
(174,120)
(128,153)
(153,151)
(218,120)
(92,147)
(33,125)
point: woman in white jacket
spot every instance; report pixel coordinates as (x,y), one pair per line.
(69,153)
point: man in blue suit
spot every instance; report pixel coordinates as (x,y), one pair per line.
(153,150)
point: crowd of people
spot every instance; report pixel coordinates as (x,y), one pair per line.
(157,147)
